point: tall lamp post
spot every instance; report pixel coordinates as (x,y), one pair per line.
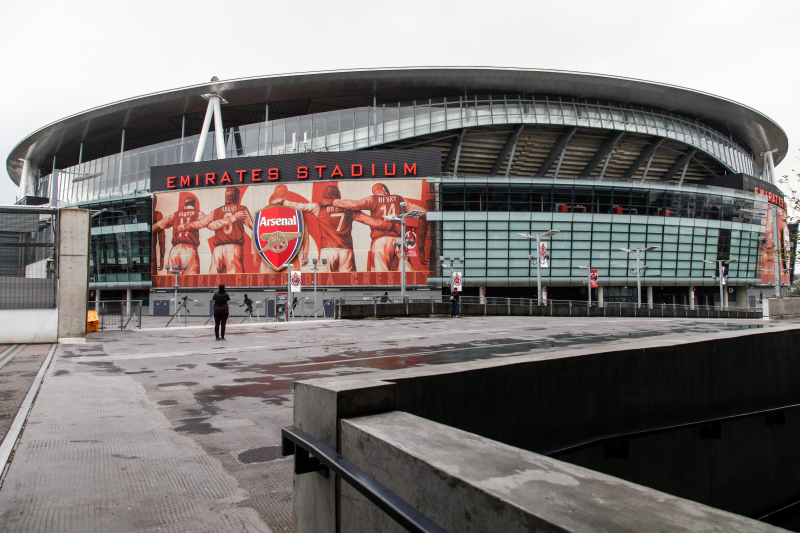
(588,282)
(639,268)
(401,218)
(539,237)
(722,277)
(176,270)
(315,268)
(450,265)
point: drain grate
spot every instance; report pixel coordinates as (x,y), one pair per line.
(260,455)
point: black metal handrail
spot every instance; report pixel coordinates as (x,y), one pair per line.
(662,429)
(312,455)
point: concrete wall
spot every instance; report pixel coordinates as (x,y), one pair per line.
(73,272)
(546,401)
(467,483)
(781,307)
(28,326)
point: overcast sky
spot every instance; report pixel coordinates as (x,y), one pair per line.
(59,58)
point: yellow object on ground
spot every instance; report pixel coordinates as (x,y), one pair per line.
(92,321)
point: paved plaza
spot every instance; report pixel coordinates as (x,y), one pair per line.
(168,430)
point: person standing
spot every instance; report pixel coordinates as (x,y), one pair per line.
(221,310)
(455,298)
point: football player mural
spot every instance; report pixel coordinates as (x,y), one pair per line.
(260,229)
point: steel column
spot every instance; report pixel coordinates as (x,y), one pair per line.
(511,142)
(604,152)
(557,150)
(646,154)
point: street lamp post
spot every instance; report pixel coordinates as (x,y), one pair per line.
(639,269)
(722,277)
(403,242)
(588,283)
(315,268)
(177,269)
(450,265)
(539,237)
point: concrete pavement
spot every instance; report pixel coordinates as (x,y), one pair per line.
(169,430)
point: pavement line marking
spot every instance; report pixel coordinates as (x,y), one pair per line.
(10,353)
(14,431)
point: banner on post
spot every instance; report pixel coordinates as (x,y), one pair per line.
(296,281)
(544,260)
(594,278)
(456,282)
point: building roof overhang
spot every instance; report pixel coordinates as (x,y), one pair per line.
(750,126)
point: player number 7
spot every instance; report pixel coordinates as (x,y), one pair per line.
(340,216)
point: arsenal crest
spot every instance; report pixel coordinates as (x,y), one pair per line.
(278,232)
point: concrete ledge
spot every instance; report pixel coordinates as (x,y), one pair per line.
(781,308)
(467,483)
(28,326)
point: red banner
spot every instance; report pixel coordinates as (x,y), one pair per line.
(324,279)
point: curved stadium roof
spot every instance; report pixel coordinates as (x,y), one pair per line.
(155,117)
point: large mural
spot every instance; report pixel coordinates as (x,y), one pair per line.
(209,233)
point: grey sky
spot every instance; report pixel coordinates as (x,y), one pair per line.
(59,58)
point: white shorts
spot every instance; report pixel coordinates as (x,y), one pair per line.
(339,260)
(386,256)
(184,254)
(227,259)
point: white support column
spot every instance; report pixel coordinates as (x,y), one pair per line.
(218,131)
(482,295)
(691,298)
(128,297)
(650,296)
(600,296)
(771,165)
(725,297)
(213,110)
(201,143)
(24,179)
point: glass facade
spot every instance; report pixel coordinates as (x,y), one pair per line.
(353,129)
(594,223)
(121,243)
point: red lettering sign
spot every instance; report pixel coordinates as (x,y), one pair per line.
(241,175)
(386,169)
(211,179)
(256,174)
(272,174)
(302,173)
(337,171)
(407,169)
(171,182)
(320,167)
(186,181)
(225,178)
(353,170)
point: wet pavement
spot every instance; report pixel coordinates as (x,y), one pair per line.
(16,378)
(170,430)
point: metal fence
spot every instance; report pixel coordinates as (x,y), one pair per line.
(516,306)
(117,314)
(28,263)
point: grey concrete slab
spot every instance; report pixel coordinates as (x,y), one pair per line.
(167,428)
(16,377)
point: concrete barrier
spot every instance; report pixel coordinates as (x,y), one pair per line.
(781,308)
(541,402)
(467,483)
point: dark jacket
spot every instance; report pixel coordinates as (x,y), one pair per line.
(221,300)
(456,296)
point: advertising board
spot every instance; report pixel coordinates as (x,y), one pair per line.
(244,236)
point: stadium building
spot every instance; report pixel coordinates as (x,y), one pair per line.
(194,175)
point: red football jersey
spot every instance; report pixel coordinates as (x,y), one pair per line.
(380,206)
(230,233)
(335,227)
(181,218)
